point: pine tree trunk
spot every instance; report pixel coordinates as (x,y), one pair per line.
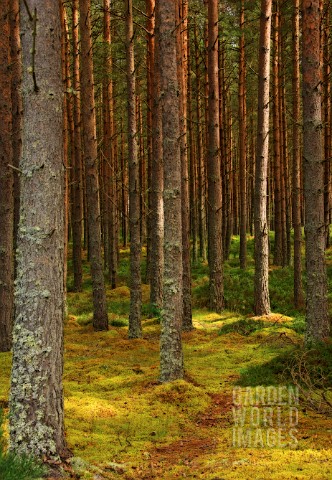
(157,213)
(200,156)
(106,151)
(182,52)
(242,145)
(100,318)
(327,121)
(16,79)
(318,325)
(66,131)
(192,161)
(36,397)
(262,300)
(171,356)
(76,160)
(278,250)
(6,185)
(135,329)
(214,167)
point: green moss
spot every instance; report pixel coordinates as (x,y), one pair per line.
(118,416)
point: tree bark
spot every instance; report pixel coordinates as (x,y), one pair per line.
(6,185)
(135,328)
(278,246)
(100,318)
(182,51)
(200,156)
(171,356)
(242,145)
(76,160)
(157,213)
(262,300)
(327,119)
(16,79)
(215,250)
(36,397)
(318,325)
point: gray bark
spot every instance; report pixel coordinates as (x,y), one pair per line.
(36,397)
(171,356)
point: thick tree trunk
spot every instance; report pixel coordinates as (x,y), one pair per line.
(36,397)
(171,356)
(100,318)
(318,324)
(6,185)
(262,300)
(213,167)
(135,329)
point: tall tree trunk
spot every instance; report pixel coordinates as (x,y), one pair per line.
(100,318)
(213,166)
(192,161)
(242,145)
(135,329)
(16,79)
(106,151)
(6,185)
(150,42)
(200,156)
(142,168)
(285,186)
(157,213)
(327,121)
(66,131)
(124,192)
(36,397)
(262,299)
(182,52)
(76,160)
(171,356)
(318,325)
(278,247)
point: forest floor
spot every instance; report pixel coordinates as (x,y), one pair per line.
(121,423)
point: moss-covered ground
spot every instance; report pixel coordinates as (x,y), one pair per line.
(122,423)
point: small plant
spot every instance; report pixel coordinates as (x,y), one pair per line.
(17,467)
(311,372)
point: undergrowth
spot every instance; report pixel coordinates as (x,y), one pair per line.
(17,467)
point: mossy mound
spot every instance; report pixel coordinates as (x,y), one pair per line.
(181,393)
